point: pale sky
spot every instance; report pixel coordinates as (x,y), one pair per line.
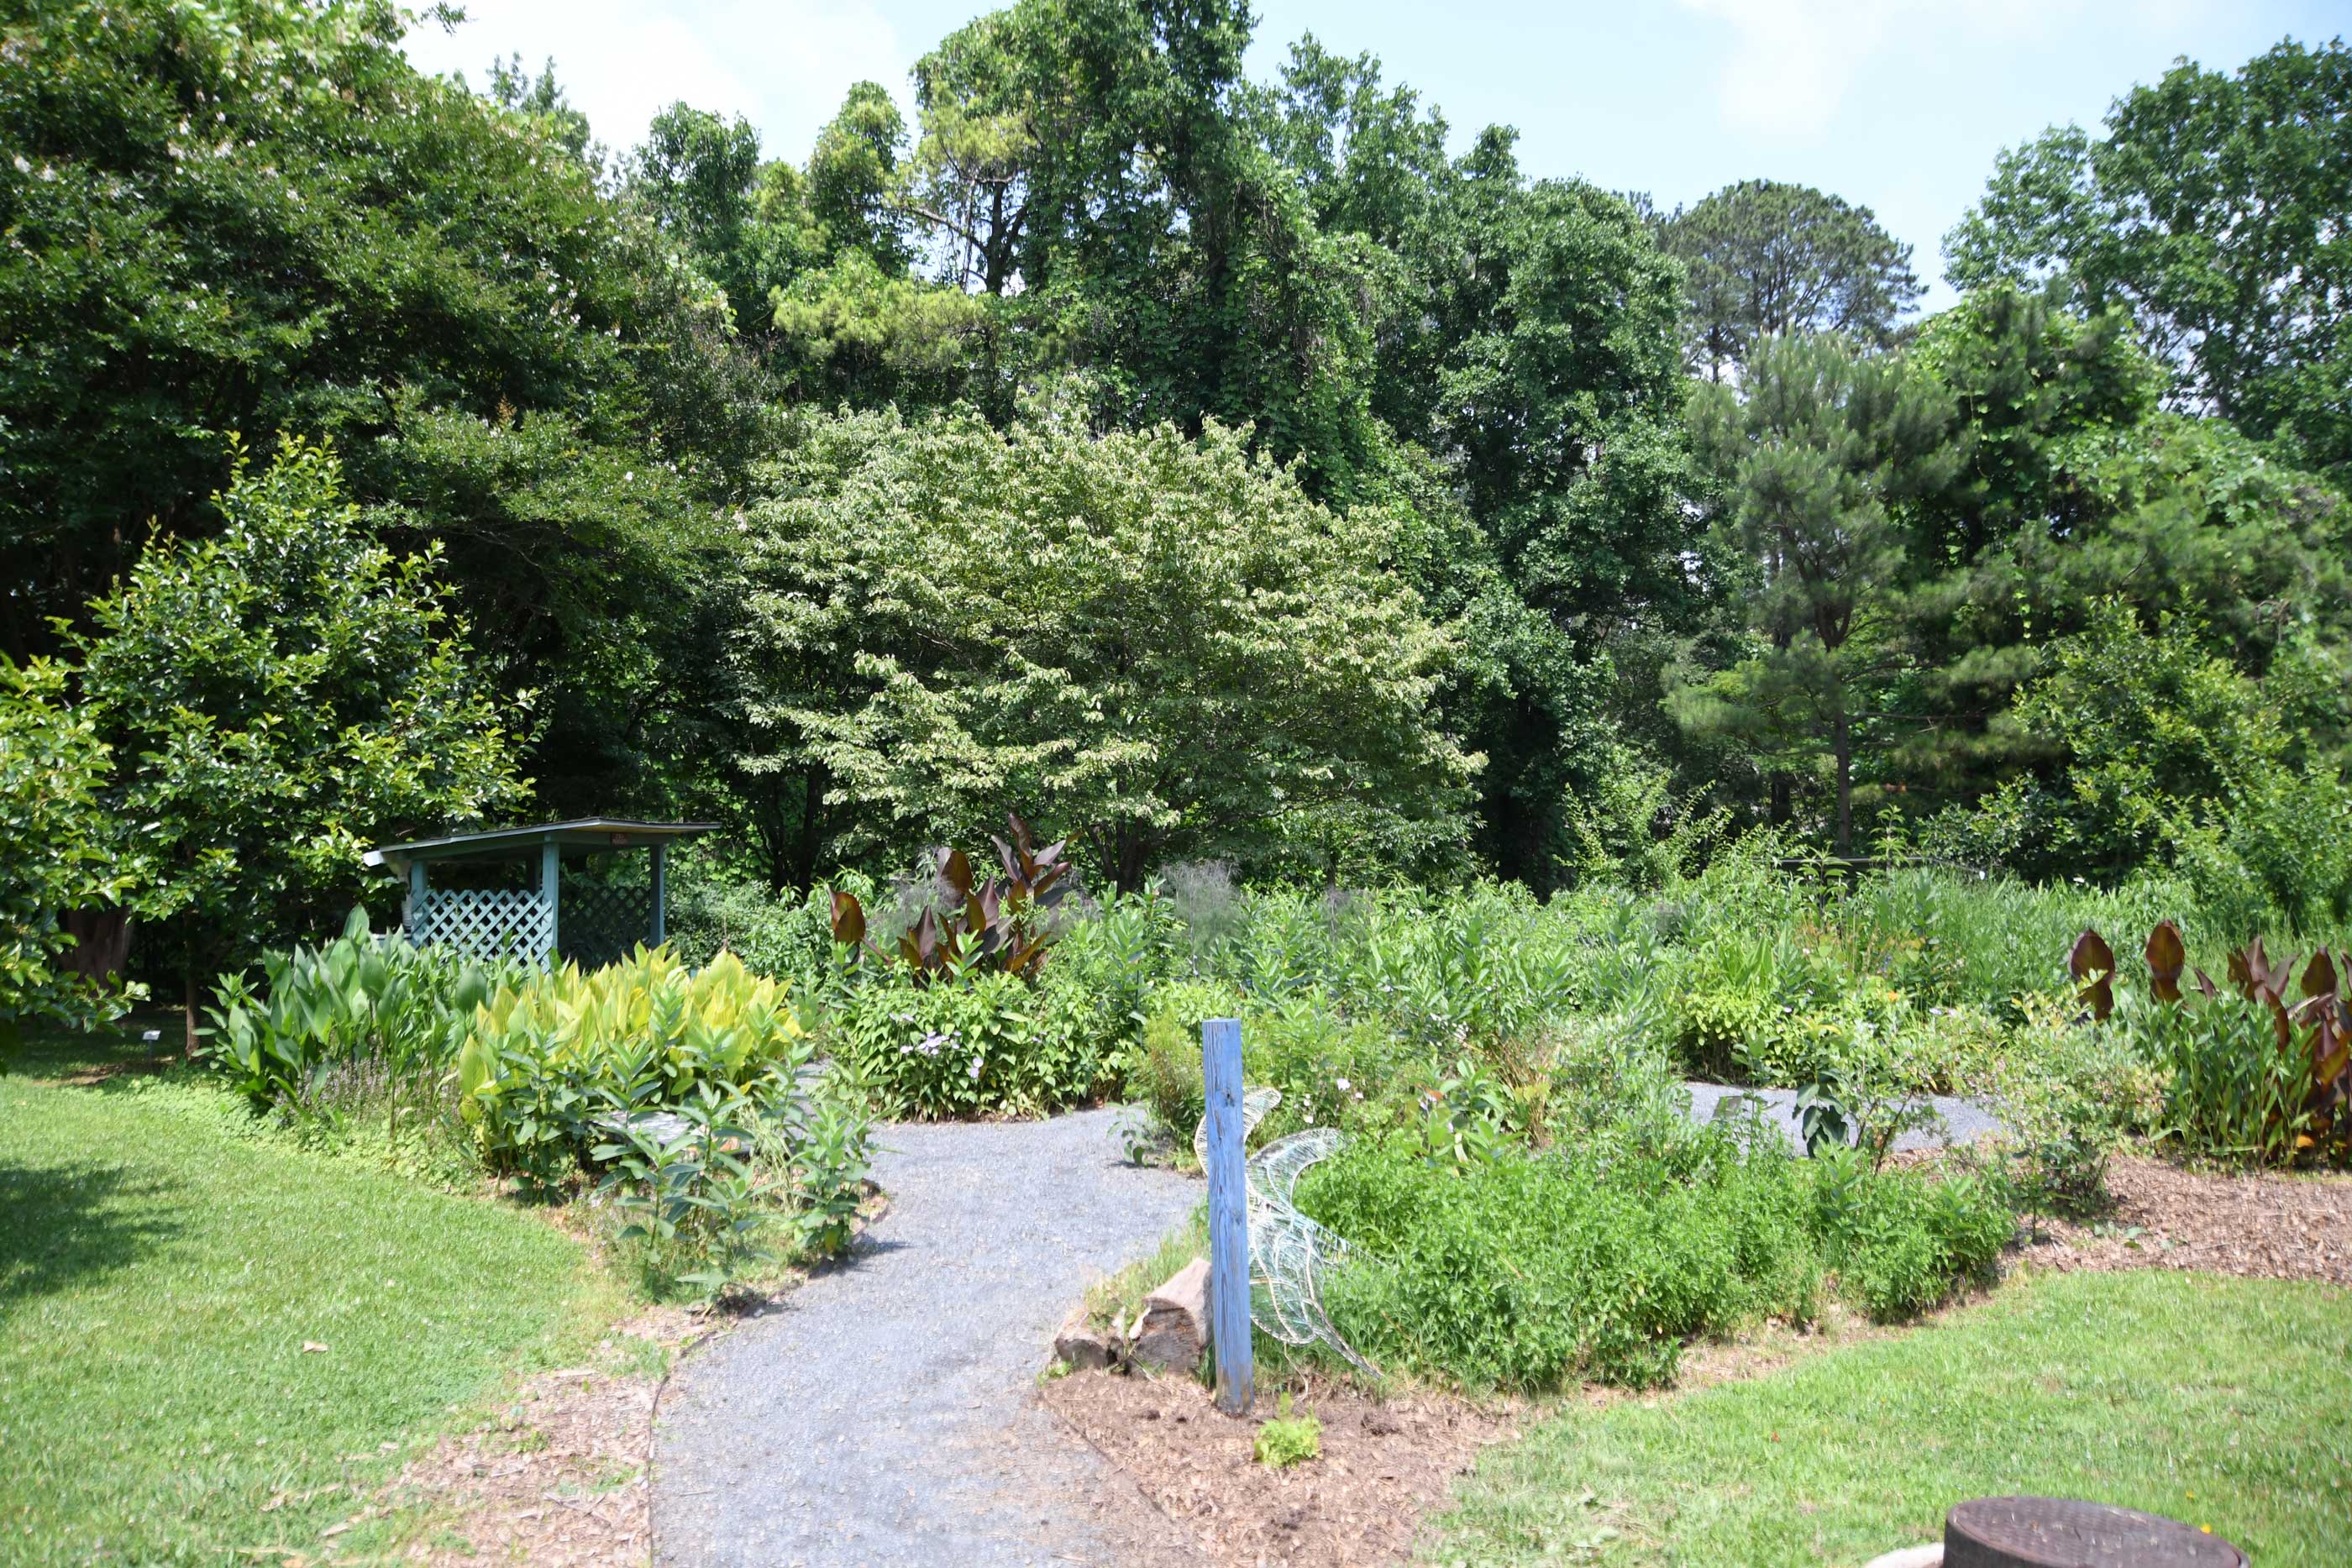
(1900,105)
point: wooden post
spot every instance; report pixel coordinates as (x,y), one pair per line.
(550,874)
(1229,1283)
(661,893)
(412,917)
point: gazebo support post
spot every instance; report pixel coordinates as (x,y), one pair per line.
(417,888)
(550,874)
(661,893)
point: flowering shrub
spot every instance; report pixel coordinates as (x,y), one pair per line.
(991,1044)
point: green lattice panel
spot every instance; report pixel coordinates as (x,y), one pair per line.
(604,925)
(486,923)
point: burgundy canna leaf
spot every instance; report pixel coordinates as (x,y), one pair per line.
(848,918)
(955,871)
(2167,956)
(2092,962)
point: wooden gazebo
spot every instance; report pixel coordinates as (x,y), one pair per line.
(534,916)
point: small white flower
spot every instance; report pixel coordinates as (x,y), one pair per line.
(1342,1084)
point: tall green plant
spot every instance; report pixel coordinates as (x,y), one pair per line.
(546,1061)
(360,998)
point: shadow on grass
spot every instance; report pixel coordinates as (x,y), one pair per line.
(85,1058)
(71,1223)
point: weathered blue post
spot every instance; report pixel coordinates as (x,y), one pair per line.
(1229,1278)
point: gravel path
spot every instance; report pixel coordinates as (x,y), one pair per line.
(885,1412)
(1964,1121)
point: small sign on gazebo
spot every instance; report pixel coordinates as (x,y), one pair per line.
(538,919)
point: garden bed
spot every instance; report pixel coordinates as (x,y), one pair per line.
(2262,1224)
(1385,1465)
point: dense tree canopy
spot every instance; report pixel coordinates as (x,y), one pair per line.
(1202,465)
(1762,258)
(279,696)
(2213,209)
(1158,644)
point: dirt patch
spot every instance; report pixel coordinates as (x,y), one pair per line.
(559,1475)
(2256,1226)
(1383,1467)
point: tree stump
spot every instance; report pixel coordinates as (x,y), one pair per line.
(2053,1532)
(1172,1331)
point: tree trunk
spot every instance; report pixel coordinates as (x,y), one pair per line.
(188,991)
(1777,811)
(1842,740)
(811,835)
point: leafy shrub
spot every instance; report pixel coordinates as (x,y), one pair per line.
(732,1179)
(1902,1241)
(778,936)
(1607,1072)
(687,1196)
(545,1061)
(1165,1072)
(1524,1272)
(1747,1005)
(993,1042)
(358,998)
(2068,1097)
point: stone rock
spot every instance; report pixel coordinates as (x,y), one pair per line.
(1171,1332)
(1928,1556)
(1083,1347)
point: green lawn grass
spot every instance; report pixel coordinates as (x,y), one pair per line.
(164,1262)
(2226,1403)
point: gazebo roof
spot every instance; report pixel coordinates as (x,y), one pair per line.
(586,832)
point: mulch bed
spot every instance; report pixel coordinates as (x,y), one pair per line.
(1384,1465)
(1387,1466)
(2260,1225)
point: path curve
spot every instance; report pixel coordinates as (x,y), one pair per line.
(885,1411)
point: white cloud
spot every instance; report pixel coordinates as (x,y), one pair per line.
(1793,61)
(782,66)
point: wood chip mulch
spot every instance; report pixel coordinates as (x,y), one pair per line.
(559,1477)
(2265,1224)
(1382,1468)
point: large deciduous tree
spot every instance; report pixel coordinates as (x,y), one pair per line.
(2214,209)
(231,215)
(61,852)
(1157,645)
(277,697)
